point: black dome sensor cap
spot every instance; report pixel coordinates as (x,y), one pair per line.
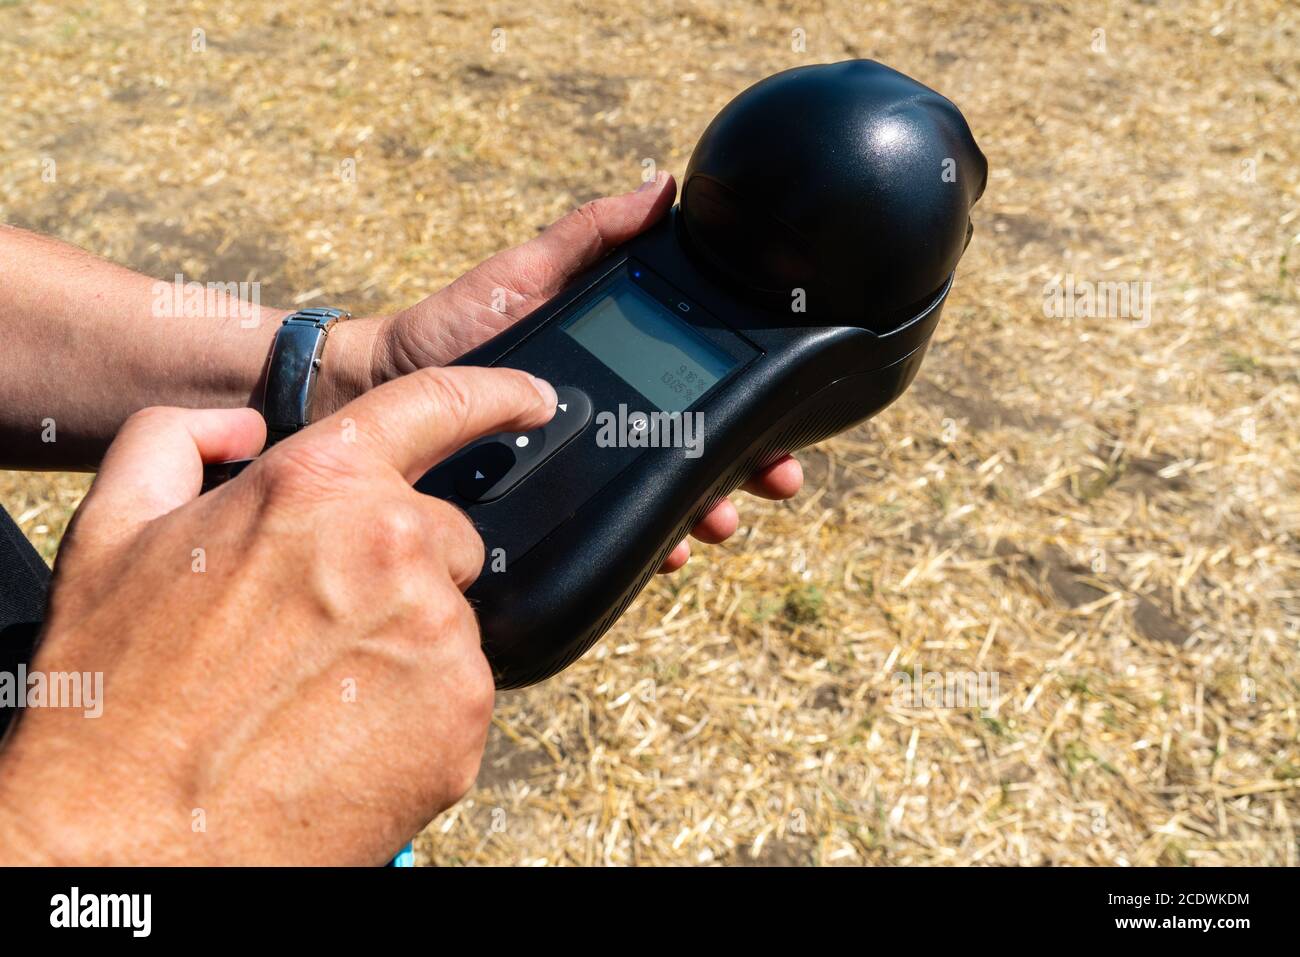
(848,180)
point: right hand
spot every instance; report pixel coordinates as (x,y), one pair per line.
(291,671)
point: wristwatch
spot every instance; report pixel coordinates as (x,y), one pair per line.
(291,370)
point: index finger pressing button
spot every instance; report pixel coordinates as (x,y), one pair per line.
(488,471)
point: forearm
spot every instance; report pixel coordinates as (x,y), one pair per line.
(87,342)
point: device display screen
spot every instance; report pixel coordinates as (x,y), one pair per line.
(648,347)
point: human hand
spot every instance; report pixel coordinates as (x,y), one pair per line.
(499,292)
(288,660)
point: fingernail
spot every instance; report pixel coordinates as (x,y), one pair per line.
(545,390)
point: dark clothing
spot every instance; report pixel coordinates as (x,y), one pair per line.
(24,585)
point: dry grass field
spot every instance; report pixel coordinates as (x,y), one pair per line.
(1100,509)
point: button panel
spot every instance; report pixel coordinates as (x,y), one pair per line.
(489,470)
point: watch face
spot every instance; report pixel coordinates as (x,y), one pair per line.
(291,370)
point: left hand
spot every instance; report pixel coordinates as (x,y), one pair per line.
(366,352)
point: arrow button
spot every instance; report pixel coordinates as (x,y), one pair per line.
(482,467)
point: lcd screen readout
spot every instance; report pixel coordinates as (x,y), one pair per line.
(648,347)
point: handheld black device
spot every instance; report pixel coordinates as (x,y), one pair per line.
(789,296)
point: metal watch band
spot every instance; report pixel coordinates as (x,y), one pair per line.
(291,370)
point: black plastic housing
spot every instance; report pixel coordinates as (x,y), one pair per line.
(823,187)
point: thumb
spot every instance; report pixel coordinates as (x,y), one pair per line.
(437,330)
(579,238)
(583,235)
(543,266)
(155,465)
